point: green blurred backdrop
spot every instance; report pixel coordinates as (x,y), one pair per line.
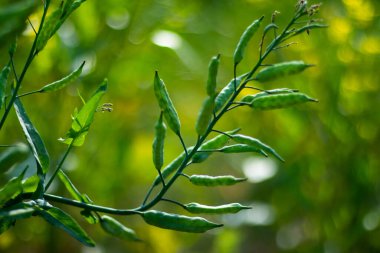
(325,198)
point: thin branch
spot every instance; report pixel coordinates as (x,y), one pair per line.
(29,93)
(284,46)
(174,202)
(221,132)
(30,23)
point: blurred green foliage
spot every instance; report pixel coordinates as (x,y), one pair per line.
(325,198)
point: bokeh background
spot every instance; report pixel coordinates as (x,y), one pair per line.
(325,198)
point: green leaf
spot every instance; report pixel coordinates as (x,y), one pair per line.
(30,184)
(115,228)
(178,222)
(5,224)
(256,143)
(166,105)
(60,219)
(12,189)
(205,180)
(18,211)
(222,209)
(3,83)
(48,29)
(33,137)
(215,143)
(57,85)
(281,69)
(84,118)
(13,155)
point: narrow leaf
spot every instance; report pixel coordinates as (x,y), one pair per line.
(84,118)
(13,155)
(60,219)
(70,186)
(18,211)
(115,228)
(48,29)
(57,85)
(281,69)
(12,189)
(33,137)
(30,184)
(222,209)
(166,105)
(3,83)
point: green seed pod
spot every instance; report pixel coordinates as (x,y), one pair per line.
(166,105)
(226,93)
(115,228)
(48,29)
(158,143)
(204,116)
(205,180)
(256,143)
(171,167)
(250,98)
(212,74)
(269,27)
(281,69)
(280,101)
(309,27)
(214,143)
(178,222)
(244,39)
(222,209)
(241,148)
(3,83)
(59,84)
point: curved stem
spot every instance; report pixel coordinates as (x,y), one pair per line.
(29,60)
(90,206)
(59,166)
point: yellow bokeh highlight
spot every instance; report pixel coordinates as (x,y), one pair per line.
(339,30)
(345,55)
(360,10)
(370,45)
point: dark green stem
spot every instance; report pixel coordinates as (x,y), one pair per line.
(59,166)
(29,60)
(29,93)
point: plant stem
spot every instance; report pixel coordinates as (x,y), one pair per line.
(276,41)
(59,165)
(29,60)
(28,93)
(90,206)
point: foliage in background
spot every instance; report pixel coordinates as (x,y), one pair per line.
(302,194)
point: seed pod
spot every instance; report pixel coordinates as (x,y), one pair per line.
(222,209)
(226,93)
(281,69)
(205,180)
(178,222)
(48,29)
(244,39)
(256,143)
(212,74)
(214,143)
(280,101)
(166,105)
(171,167)
(309,27)
(115,228)
(59,84)
(269,27)
(3,83)
(158,143)
(204,116)
(250,98)
(241,148)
